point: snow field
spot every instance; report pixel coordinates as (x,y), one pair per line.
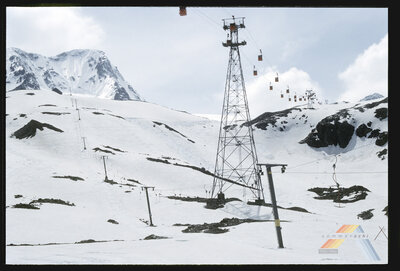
(129,126)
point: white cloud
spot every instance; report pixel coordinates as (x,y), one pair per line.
(261,99)
(367,74)
(51,30)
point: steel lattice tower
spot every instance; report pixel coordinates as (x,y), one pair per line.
(236,159)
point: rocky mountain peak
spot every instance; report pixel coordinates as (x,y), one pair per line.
(81,71)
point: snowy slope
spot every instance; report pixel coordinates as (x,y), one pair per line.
(77,71)
(135,131)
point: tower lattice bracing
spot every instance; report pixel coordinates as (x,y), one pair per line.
(236,159)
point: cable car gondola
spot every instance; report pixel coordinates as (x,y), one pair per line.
(254,71)
(260,56)
(182,11)
(270,86)
(276,78)
(281,94)
(287,90)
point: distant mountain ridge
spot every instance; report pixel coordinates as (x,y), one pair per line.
(81,71)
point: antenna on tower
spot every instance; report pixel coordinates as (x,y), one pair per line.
(236,158)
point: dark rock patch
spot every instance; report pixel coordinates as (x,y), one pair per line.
(51,200)
(154,237)
(216,227)
(381,113)
(47,105)
(330,131)
(363,130)
(56,90)
(199,199)
(25,206)
(386,210)
(117,116)
(381,154)
(112,182)
(73,178)
(365,215)
(112,221)
(88,241)
(352,194)
(29,130)
(102,150)
(374,133)
(270,118)
(371,105)
(56,113)
(114,149)
(381,139)
(374,104)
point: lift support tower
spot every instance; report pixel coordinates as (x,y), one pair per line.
(236,158)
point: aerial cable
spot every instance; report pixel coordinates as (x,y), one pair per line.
(207,17)
(323,158)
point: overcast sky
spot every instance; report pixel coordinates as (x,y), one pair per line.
(179,61)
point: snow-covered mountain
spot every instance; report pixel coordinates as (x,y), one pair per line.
(60,208)
(79,71)
(372,97)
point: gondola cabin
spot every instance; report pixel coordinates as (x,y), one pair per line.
(260,56)
(270,86)
(182,11)
(254,71)
(287,90)
(276,78)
